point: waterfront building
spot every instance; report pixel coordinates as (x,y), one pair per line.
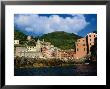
(83,45)
(67,54)
(20,51)
(81,48)
(90,40)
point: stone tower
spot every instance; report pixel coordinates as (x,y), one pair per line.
(28,38)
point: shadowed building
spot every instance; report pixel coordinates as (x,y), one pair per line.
(90,40)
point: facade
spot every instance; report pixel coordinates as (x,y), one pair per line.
(81,48)
(20,51)
(16,42)
(31,48)
(41,50)
(66,54)
(29,51)
(57,53)
(90,40)
(84,45)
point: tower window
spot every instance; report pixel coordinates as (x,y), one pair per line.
(84,49)
(89,35)
(83,44)
(90,43)
(90,39)
(77,49)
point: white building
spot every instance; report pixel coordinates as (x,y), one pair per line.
(31,48)
(16,41)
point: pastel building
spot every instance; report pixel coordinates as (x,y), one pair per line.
(81,48)
(66,54)
(84,45)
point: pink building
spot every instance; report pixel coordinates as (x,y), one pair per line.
(90,40)
(84,45)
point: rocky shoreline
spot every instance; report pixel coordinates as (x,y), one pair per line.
(35,63)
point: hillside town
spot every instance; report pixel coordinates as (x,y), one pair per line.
(45,50)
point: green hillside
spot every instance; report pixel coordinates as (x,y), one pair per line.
(18,35)
(59,39)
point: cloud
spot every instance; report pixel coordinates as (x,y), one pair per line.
(45,24)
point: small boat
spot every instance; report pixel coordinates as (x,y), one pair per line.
(86,63)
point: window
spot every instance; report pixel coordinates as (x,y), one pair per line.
(94,35)
(89,35)
(79,40)
(84,49)
(77,49)
(77,44)
(83,40)
(90,39)
(83,44)
(90,43)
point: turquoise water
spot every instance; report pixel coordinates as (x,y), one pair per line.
(77,70)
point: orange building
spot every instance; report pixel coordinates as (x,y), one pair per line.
(67,54)
(84,45)
(81,48)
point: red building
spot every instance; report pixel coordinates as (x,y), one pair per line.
(83,45)
(81,48)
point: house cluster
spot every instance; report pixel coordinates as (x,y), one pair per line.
(46,50)
(41,50)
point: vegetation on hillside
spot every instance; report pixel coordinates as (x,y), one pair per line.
(18,35)
(59,39)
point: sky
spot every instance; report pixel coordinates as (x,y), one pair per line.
(39,24)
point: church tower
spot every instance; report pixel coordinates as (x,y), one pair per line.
(38,46)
